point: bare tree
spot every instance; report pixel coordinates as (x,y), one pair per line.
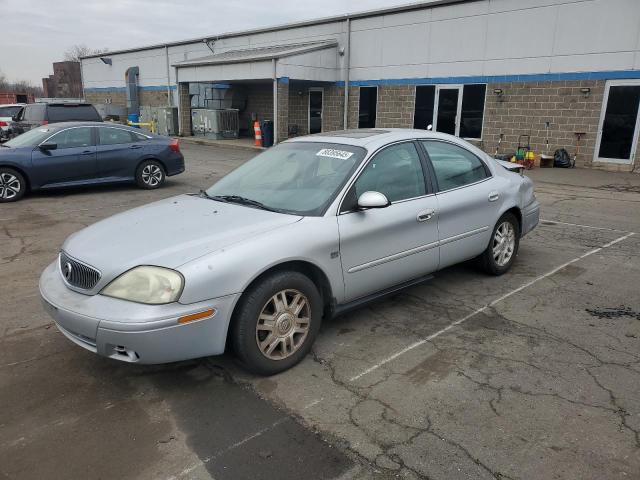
(75,52)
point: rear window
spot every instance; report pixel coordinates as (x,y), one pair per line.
(71,113)
(9,111)
(33,113)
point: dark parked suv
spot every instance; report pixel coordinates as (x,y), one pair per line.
(36,114)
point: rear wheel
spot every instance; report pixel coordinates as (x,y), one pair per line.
(12,185)
(150,175)
(277,322)
(503,246)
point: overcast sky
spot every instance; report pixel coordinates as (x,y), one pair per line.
(36,33)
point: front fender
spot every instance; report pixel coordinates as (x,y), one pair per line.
(313,240)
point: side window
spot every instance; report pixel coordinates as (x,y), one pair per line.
(454,166)
(396,172)
(73,137)
(138,137)
(114,136)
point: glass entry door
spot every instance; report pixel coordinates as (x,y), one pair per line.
(315,110)
(448,110)
(618,129)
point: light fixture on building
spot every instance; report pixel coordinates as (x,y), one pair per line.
(499,93)
(585,91)
(106,60)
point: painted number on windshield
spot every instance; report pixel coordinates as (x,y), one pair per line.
(330,152)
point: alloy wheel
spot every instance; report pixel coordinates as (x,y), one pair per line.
(9,186)
(283,324)
(504,243)
(151,175)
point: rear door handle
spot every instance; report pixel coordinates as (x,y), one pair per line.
(88,152)
(493,196)
(425,215)
(135,146)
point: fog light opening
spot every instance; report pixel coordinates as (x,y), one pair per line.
(122,351)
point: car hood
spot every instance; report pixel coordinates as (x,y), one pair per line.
(169,233)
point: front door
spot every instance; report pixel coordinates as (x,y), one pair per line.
(384,247)
(448,108)
(619,122)
(315,110)
(72,162)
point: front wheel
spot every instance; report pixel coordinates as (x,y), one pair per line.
(277,322)
(150,175)
(12,185)
(503,246)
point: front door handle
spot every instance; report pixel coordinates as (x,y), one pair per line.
(425,215)
(87,152)
(493,196)
(135,147)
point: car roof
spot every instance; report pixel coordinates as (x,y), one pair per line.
(12,105)
(373,138)
(61,125)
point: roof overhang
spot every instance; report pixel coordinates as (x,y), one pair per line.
(315,61)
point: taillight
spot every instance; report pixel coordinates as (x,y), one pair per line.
(3,124)
(44,122)
(174,145)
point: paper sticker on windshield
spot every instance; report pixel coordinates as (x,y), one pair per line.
(332,153)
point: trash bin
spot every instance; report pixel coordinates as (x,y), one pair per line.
(134,118)
(267,133)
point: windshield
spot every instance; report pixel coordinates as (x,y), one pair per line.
(299,177)
(31,138)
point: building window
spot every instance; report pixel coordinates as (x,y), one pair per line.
(425,99)
(368,104)
(454,109)
(472,111)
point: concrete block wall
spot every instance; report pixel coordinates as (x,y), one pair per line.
(260,102)
(354,107)
(114,98)
(185,109)
(526,106)
(333,109)
(153,98)
(396,105)
(283,111)
(299,107)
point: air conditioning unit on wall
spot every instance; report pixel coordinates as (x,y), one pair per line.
(218,124)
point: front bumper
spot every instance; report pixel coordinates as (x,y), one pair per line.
(530,217)
(133,332)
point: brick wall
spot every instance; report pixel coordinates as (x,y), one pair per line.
(333,103)
(396,105)
(354,107)
(525,107)
(299,108)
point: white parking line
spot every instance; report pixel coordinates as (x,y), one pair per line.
(482,309)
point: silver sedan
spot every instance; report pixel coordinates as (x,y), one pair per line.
(301,232)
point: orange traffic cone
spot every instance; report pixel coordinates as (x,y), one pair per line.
(258,132)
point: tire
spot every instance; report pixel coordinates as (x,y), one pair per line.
(150,175)
(500,261)
(13,185)
(263,334)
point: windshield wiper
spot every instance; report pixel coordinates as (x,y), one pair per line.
(240,200)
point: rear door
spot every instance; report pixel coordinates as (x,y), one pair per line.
(384,247)
(468,201)
(72,162)
(119,151)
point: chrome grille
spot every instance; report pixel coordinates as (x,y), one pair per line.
(78,274)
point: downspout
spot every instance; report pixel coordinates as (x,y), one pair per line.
(275,101)
(82,80)
(166,54)
(180,131)
(347,68)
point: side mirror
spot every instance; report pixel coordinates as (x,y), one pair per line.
(47,146)
(373,200)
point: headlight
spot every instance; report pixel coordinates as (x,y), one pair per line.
(151,285)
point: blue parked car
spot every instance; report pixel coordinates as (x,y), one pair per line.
(85,153)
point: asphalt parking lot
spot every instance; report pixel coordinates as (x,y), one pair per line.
(532,375)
